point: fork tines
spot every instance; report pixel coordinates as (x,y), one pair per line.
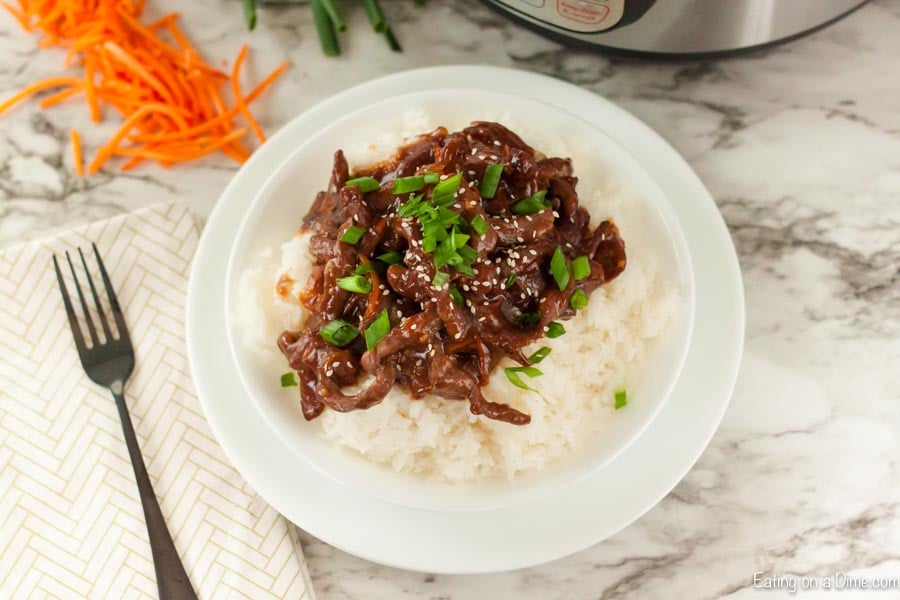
(100,311)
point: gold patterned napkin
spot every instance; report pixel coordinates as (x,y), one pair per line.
(71,524)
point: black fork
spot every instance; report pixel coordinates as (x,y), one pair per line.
(109,362)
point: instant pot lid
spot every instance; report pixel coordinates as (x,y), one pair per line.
(686,28)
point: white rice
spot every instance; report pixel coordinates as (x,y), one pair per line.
(440,438)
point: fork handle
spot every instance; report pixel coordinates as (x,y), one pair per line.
(171,578)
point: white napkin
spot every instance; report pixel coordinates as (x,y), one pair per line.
(71,523)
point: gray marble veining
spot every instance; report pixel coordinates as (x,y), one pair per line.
(800,146)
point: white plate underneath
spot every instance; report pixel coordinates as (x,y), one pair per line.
(513,537)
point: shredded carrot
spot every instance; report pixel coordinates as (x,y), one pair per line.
(76,153)
(171,100)
(238,97)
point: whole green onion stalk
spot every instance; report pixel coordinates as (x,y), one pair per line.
(329,22)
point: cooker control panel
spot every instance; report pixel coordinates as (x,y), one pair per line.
(583,16)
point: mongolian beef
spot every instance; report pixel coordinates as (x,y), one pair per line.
(432,266)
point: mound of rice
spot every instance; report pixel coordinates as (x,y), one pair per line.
(440,438)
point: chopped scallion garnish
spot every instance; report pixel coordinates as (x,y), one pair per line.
(534,203)
(444,193)
(338,332)
(539,355)
(456,295)
(406,185)
(391,258)
(578,300)
(554,329)
(559,269)
(365,184)
(480,225)
(378,329)
(432,177)
(288,380)
(510,280)
(353,234)
(363,269)
(512,373)
(527,319)
(490,181)
(355,283)
(440,278)
(581,268)
(621,398)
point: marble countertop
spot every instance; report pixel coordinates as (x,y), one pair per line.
(799,145)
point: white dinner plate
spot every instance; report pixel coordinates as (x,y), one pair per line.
(512,537)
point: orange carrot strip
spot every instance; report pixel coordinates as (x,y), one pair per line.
(76,153)
(23,21)
(239,98)
(138,69)
(178,156)
(106,151)
(59,97)
(46,84)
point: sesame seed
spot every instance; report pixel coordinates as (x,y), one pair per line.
(528,218)
(546,328)
(493,157)
(470,172)
(481,157)
(496,142)
(533,252)
(419,362)
(412,327)
(494,281)
(474,151)
(336,364)
(522,295)
(555,214)
(443,177)
(472,310)
(386,293)
(520,239)
(482,318)
(457,335)
(329,372)
(465,287)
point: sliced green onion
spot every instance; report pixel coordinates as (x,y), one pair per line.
(510,280)
(440,278)
(539,355)
(468,253)
(432,177)
(391,258)
(352,234)
(334,15)
(465,269)
(578,300)
(490,181)
(444,192)
(250,16)
(527,319)
(412,207)
(355,283)
(530,205)
(392,40)
(406,185)
(457,296)
(554,329)
(365,184)
(288,380)
(376,17)
(362,269)
(447,217)
(559,269)
(480,225)
(512,373)
(324,26)
(581,268)
(378,329)
(338,332)
(621,398)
